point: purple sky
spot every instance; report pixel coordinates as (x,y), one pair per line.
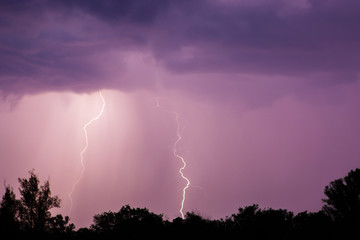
(268,93)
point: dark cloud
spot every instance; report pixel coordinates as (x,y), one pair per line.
(134,12)
(268,39)
(70,45)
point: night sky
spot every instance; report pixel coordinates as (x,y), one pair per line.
(267,92)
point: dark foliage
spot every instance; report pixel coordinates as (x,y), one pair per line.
(253,222)
(35,203)
(343,202)
(316,225)
(29,217)
(9,211)
(128,222)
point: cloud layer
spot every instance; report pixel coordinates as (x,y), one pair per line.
(89,45)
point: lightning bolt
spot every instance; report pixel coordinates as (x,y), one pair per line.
(86,146)
(179,137)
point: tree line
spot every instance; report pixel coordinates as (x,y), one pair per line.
(30,216)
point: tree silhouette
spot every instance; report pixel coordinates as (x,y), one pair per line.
(9,211)
(35,203)
(245,219)
(29,217)
(343,204)
(308,225)
(129,222)
(59,224)
(343,198)
(252,221)
(276,223)
(199,227)
(104,222)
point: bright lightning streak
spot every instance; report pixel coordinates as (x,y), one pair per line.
(179,137)
(86,146)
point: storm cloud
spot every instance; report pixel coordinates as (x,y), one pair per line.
(89,45)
